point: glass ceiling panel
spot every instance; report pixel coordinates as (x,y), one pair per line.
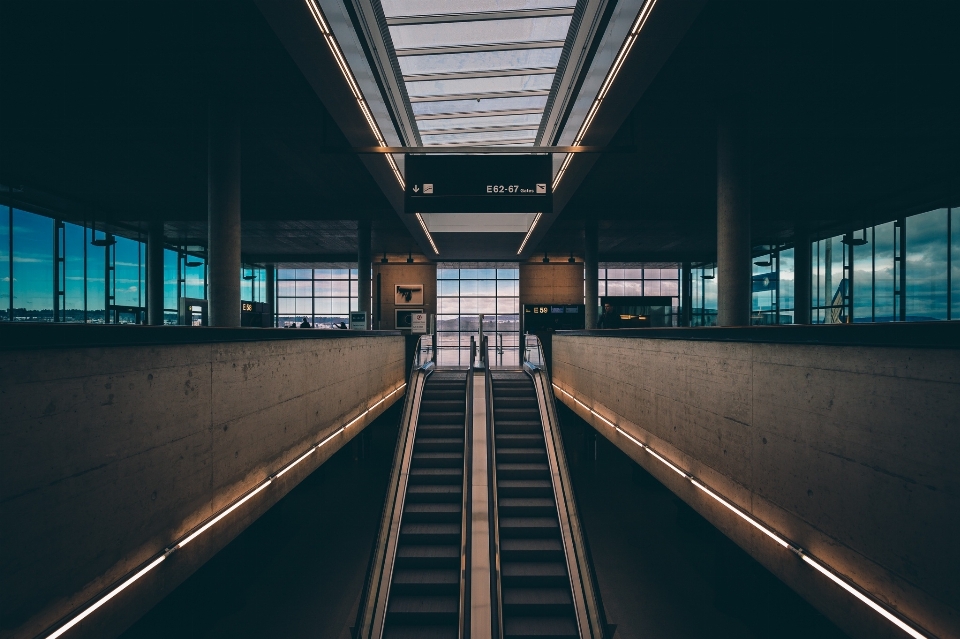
(480,138)
(472,106)
(530,120)
(444,97)
(523,59)
(458,33)
(395,8)
(480,85)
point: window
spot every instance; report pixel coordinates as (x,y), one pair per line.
(463,294)
(323,296)
(637,282)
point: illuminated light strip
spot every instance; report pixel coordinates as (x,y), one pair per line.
(625,48)
(427,232)
(529,233)
(824,569)
(113,593)
(352,82)
(153,564)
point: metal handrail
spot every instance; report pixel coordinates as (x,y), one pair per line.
(590,613)
(466,521)
(496,604)
(377,583)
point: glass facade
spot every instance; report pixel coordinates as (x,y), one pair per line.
(463,294)
(642,282)
(323,297)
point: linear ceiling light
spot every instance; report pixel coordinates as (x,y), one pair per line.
(153,563)
(607,82)
(529,233)
(427,232)
(352,82)
(821,567)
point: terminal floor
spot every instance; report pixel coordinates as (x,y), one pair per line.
(299,569)
(665,572)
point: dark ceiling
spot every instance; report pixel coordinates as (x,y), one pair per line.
(854,117)
(852,107)
(105,106)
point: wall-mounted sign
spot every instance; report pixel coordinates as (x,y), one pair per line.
(478,184)
(405,294)
(418,323)
(557,317)
(358,321)
(405,317)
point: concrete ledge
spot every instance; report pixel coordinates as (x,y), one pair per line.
(847,451)
(109,455)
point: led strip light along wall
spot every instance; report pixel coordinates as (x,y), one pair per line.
(821,567)
(156,561)
(607,82)
(426,232)
(529,233)
(352,82)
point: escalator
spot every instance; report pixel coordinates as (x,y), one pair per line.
(424,598)
(479,536)
(536,594)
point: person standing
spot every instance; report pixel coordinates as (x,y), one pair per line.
(610,318)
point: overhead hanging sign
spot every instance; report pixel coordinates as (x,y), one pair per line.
(478,184)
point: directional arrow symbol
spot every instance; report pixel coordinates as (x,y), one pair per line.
(416,189)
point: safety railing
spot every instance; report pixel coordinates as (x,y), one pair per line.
(496,607)
(586,591)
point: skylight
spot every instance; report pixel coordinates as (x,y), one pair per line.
(478,72)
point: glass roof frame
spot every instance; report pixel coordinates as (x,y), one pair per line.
(484,60)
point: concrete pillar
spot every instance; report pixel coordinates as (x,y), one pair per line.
(223,214)
(271,286)
(802,277)
(591,272)
(155,274)
(733,223)
(364,264)
(686,295)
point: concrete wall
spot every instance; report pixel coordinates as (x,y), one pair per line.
(551,283)
(109,454)
(849,451)
(393,274)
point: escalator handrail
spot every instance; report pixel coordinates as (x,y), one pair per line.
(586,592)
(496,604)
(466,520)
(381,561)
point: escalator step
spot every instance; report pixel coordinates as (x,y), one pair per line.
(521,454)
(563,627)
(524,488)
(529,527)
(522,471)
(438,444)
(409,581)
(420,512)
(536,602)
(436,475)
(438,460)
(430,533)
(435,493)
(527,506)
(519,549)
(449,631)
(534,574)
(426,556)
(406,609)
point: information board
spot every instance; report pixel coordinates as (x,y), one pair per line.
(478,184)
(557,317)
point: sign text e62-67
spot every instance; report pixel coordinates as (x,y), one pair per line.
(499,188)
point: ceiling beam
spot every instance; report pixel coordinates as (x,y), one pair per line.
(479,96)
(443,18)
(481,129)
(476,114)
(487,73)
(476,48)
